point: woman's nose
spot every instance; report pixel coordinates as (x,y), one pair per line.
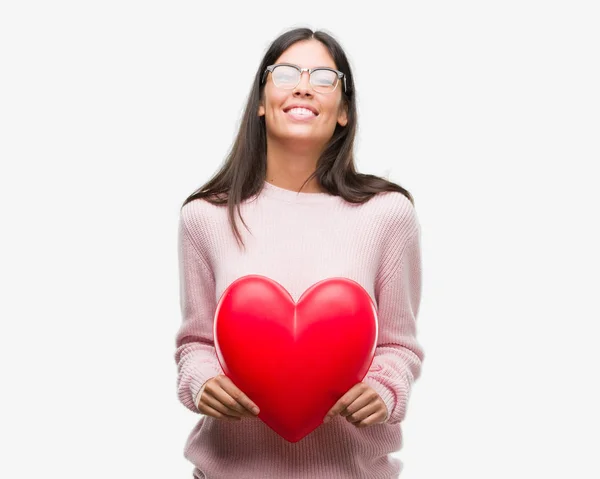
(304,86)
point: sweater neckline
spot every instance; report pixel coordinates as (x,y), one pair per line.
(291,196)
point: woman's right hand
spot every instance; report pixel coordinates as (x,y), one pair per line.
(222,399)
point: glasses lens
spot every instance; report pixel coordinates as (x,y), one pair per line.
(324,81)
(285,76)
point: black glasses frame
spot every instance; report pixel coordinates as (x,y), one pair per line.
(339,74)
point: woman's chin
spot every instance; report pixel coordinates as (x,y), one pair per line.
(298,134)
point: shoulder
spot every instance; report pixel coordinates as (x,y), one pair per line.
(201,214)
(397,213)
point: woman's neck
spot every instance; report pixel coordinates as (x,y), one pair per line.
(289,169)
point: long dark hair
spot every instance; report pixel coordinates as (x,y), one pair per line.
(243,173)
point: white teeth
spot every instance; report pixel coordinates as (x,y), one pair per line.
(301,111)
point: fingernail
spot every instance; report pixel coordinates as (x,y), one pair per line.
(255,410)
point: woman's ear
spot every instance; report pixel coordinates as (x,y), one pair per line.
(343,114)
(261,110)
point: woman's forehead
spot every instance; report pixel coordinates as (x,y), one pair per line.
(307,54)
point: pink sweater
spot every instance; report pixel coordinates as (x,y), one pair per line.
(298,239)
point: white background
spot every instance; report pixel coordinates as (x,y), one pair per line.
(113,112)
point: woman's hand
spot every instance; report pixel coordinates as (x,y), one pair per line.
(361,406)
(223,400)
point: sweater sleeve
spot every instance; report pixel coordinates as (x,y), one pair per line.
(398,355)
(195,353)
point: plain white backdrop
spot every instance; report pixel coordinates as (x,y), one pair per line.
(113,112)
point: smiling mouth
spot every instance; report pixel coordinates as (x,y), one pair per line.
(300,114)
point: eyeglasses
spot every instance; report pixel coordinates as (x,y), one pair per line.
(287,76)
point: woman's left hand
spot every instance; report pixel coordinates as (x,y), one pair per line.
(361,406)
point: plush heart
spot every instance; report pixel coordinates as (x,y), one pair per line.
(295,360)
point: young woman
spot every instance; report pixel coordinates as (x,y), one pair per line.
(308,215)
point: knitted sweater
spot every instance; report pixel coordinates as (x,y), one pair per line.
(298,239)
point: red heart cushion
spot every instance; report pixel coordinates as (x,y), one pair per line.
(295,360)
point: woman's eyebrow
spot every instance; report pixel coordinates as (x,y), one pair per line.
(312,68)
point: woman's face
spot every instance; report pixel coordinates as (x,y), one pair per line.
(330,109)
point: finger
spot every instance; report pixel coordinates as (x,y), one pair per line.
(367,396)
(210,411)
(241,402)
(363,413)
(343,402)
(215,401)
(218,398)
(376,418)
(359,403)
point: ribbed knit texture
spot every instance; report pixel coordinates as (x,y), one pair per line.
(298,239)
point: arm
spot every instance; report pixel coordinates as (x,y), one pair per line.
(195,353)
(398,356)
